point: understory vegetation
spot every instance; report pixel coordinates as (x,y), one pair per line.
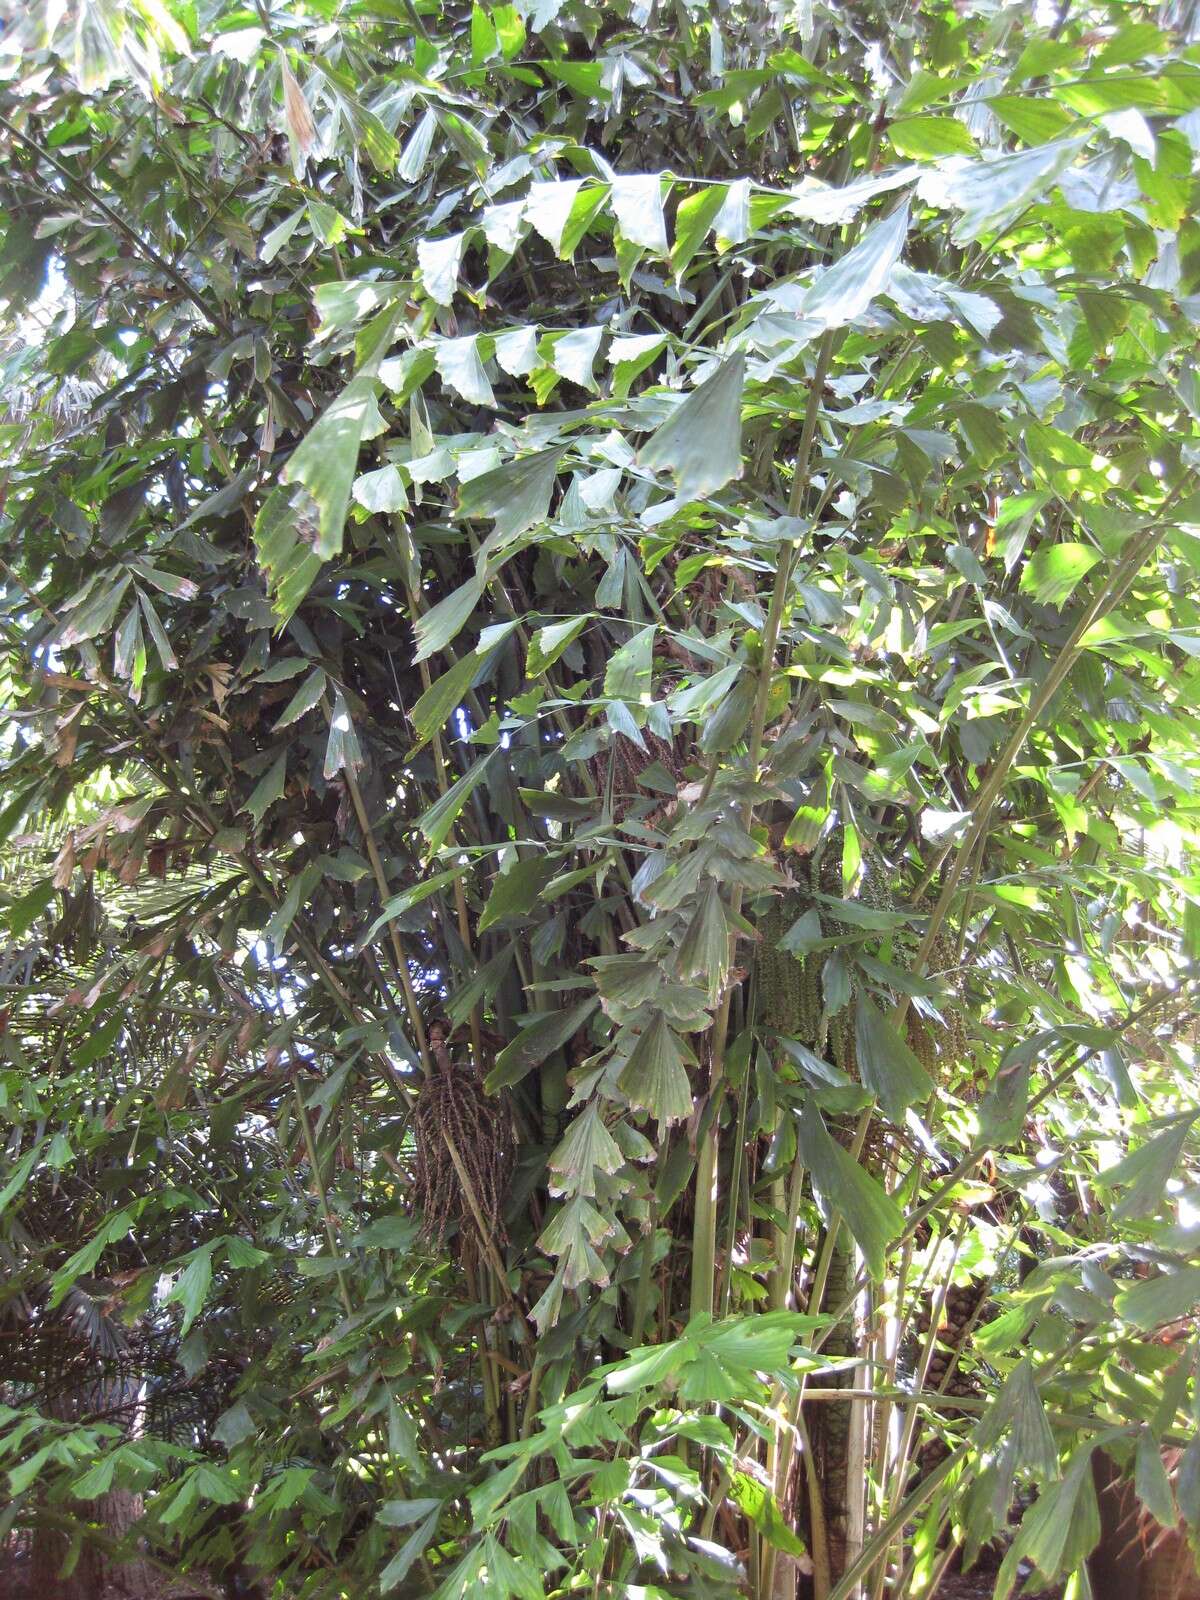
(599,897)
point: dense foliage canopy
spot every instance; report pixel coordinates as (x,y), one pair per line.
(598,632)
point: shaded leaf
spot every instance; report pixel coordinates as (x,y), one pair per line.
(700,442)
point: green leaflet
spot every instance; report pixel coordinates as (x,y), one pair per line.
(990,194)
(700,442)
(400,903)
(515,891)
(284,535)
(585,1149)
(927,138)
(846,1188)
(1016,1420)
(1060,1529)
(382,490)
(637,204)
(516,496)
(191,1288)
(411,1550)
(438,261)
(442,623)
(548,643)
(704,948)
(443,696)
(436,823)
(844,291)
(268,789)
(1148,1169)
(1154,1302)
(532,1045)
(326,462)
(654,1078)
(460,365)
(305,698)
(694,217)
(340,305)
(886,1064)
(628,674)
(1052,574)
(342,752)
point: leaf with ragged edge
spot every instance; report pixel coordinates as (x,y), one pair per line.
(326,460)
(443,697)
(694,217)
(704,949)
(845,1187)
(762,1343)
(114,1229)
(760,1506)
(439,261)
(830,206)
(283,533)
(731,716)
(382,490)
(517,351)
(305,698)
(573,1234)
(1150,1480)
(515,892)
(341,304)
(1016,1420)
(268,789)
(844,290)
(405,901)
(563,229)
(342,752)
(1148,1169)
(732,222)
(191,1287)
(991,194)
(459,365)
(629,673)
(298,890)
(1153,1302)
(442,623)
(637,203)
(1053,573)
(1059,1530)
(96,613)
(415,154)
(234,1425)
(928,138)
(436,822)
(700,443)
(548,207)
(534,1043)
(654,1078)
(573,355)
(886,1064)
(548,643)
(516,495)
(403,1513)
(398,1568)
(586,1148)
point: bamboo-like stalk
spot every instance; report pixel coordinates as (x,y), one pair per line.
(318,1183)
(704,1229)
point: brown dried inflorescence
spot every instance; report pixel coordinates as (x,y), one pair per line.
(452,1109)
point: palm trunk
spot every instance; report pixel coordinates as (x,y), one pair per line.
(830,1424)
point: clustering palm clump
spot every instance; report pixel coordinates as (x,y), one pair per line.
(599,883)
